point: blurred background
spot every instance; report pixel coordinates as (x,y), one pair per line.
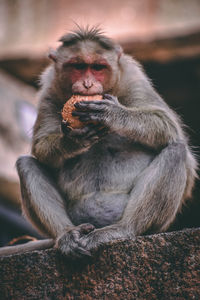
(164,35)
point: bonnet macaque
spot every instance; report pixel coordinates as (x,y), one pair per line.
(125,172)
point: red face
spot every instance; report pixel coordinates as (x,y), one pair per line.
(87,76)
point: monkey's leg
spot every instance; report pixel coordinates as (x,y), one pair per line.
(154,200)
(44,207)
(41,201)
(158,192)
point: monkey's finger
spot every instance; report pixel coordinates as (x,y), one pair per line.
(110,99)
(64,127)
(86,228)
(96,131)
(91,136)
(107,96)
(86,140)
(100,133)
(81,251)
(92,105)
(94,126)
(65,123)
(89,141)
(79,113)
(104,131)
(79,131)
(91,118)
(82,104)
(85,113)
(93,102)
(75,235)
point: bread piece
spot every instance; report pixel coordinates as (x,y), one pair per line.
(69,107)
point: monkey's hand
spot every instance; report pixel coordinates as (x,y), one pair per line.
(104,235)
(102,112)
(69,242)
(86,136)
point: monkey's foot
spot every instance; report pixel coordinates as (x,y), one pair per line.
(104,235)
(69,242)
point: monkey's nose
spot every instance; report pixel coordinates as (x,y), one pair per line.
(87,84)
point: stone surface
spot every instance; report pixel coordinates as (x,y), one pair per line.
(162,266)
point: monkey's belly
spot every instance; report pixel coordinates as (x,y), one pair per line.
(97,190)
(99,209)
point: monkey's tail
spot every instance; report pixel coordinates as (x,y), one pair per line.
(30,246)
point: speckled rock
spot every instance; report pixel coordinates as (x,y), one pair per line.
(161,266)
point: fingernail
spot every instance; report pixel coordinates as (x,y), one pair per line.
(65,128)
(107,96)
(83,119)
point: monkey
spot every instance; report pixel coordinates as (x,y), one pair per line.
(126,172)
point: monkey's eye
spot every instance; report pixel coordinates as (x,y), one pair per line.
(98,67)
(80,66)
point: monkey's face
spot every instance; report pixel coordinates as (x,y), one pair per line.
(86,69)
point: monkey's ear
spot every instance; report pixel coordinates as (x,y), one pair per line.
(119,51)
(53,55)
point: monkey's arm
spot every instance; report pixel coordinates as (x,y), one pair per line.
(146,117)
(152,125)
(51,145)
(138,113)
(149,125)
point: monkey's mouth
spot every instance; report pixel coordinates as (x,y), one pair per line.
(87,94)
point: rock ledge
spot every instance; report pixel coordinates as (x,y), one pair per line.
(161,266)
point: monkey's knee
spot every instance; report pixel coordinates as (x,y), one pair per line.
(25,162)
(26,172)
(30,171)
(30,196)
(176,152)
(179,148)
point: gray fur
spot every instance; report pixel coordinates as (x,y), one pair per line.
(85,34)
(126,180)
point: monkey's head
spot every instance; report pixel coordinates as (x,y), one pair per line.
(87,63)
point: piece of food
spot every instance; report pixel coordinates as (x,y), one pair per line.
(69,107)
